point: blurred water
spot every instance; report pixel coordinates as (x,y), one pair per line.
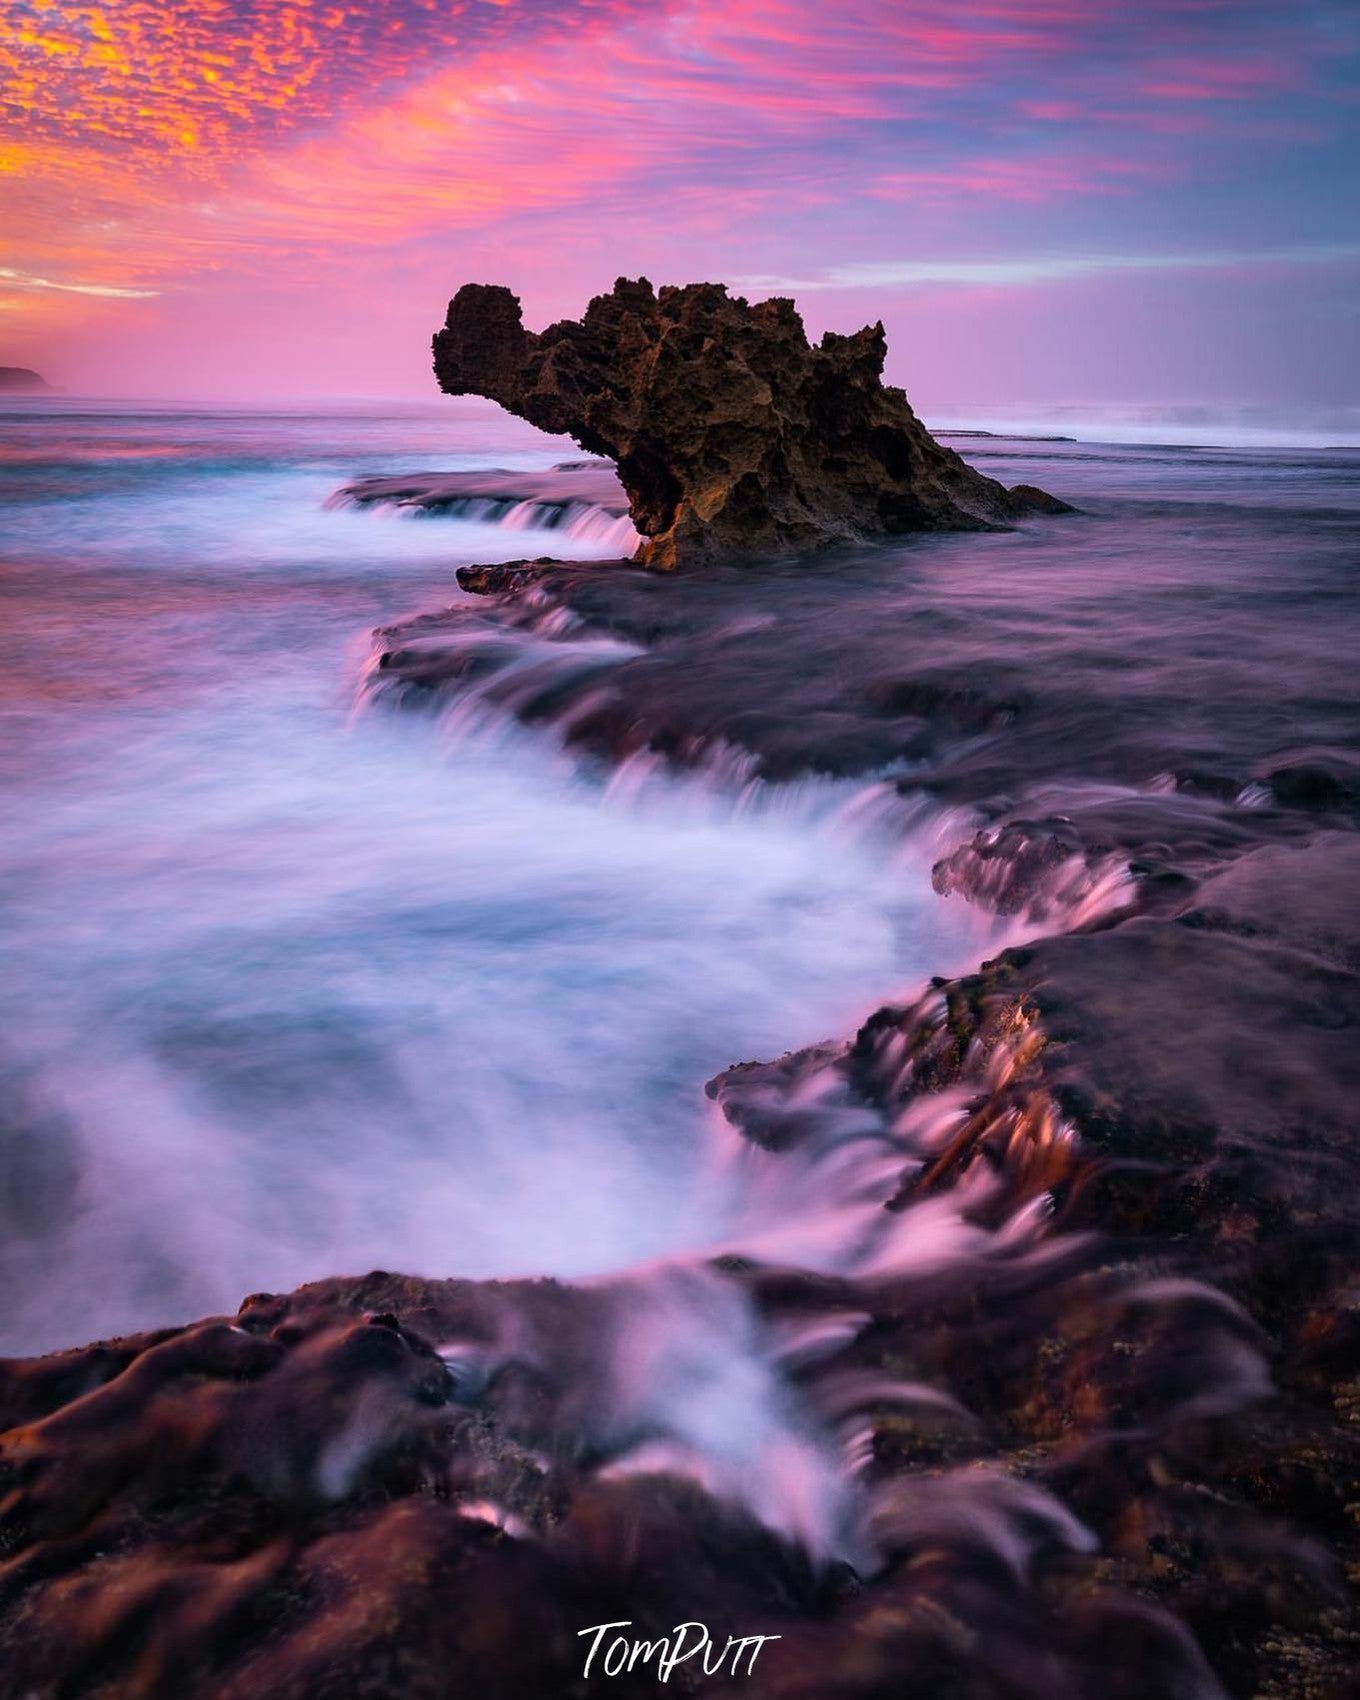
(291,990)
(1189,424)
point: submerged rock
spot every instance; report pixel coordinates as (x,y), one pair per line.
(731,432)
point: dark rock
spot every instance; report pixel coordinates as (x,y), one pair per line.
(1183,1083)
(732,434)
(501,578)
(1328,782)
(294,1503)
(1007,675)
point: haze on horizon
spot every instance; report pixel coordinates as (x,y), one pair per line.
(1044,200)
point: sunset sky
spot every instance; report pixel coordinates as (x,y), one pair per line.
(1044,200)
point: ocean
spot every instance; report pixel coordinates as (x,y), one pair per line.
(295,984)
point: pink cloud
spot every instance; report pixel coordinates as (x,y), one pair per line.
(1025,179)
(335,149)
(1213,78)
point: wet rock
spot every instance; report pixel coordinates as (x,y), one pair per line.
(1329,782)
(1011,867)
(1129,1475)
(732,435)
(501,579)
(956,663)
(1182,1082)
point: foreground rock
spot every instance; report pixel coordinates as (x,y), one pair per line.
(1183,1084)
(1110,1453)
(732,435)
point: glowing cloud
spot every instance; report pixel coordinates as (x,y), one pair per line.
(167,161)
(1051,268)
(21,280)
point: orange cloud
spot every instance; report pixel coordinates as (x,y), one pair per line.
(196,146)
(194,76)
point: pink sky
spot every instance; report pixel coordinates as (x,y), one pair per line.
(1044,200)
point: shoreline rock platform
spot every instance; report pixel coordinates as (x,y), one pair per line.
(1113,1451)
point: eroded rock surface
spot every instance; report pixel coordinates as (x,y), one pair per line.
(733,435)
(1114,1458)
(1183,1083)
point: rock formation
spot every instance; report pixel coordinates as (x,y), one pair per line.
(732,434)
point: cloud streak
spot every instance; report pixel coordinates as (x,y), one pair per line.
(1019,270)
(22,280)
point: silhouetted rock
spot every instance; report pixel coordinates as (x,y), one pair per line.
(732,434)
(20,380)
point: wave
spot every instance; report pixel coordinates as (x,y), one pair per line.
(1177,424)
(582,500)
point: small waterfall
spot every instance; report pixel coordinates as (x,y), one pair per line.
(552,509)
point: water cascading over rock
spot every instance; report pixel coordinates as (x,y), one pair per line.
(733,435)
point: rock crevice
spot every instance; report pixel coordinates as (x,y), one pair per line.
(733,435)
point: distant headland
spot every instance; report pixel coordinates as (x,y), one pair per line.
(19,380)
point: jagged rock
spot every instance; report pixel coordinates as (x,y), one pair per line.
(732,434)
